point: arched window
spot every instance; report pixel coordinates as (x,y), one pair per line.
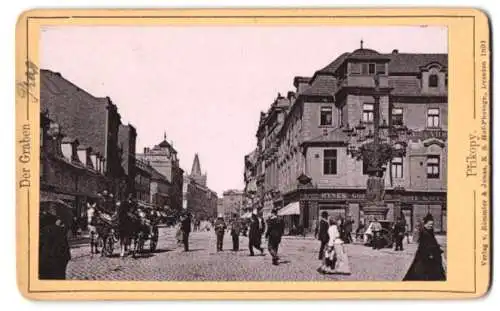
(433,80)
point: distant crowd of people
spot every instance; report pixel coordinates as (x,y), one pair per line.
(272,230)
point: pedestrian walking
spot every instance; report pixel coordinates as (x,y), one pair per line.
(54,250)
(322,233)
(330,257)
(275,229)
(335,259)
(342,265)
(220,228)
(186,230)
(178,234)
(416,232)
(399,234)
(262,225)
(428,262)
(348,231)
(235,234)
(377,234)
(255,235)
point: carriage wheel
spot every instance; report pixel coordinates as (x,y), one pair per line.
(109,245)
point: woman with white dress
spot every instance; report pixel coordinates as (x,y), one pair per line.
(335,260)
(342,264)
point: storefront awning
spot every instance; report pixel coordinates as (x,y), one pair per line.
(290,209)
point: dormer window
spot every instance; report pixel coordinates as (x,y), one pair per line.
(367,69)
(433,80)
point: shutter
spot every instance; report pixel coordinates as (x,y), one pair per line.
(380,68)
(364,69)
(355,68)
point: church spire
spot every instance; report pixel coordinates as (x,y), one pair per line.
(165,135)
(196,168)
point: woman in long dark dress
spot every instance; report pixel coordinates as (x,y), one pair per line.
(428,263)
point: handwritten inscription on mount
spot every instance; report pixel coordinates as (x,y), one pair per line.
(25,90)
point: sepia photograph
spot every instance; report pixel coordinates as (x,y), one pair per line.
(246,153)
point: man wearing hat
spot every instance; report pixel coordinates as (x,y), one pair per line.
(235,234)
(323,233)
(275,229)
(255,234)
(220,228)
(185,229)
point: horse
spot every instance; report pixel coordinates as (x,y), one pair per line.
(91,226)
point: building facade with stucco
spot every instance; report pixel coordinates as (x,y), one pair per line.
(304,139)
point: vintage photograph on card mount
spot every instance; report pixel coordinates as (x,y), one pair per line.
(194,147)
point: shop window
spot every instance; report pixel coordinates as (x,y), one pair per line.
(330,162)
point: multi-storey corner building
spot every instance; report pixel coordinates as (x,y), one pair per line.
(163,158)
(198,199)
(303,140)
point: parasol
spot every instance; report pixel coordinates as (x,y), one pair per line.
(59,209)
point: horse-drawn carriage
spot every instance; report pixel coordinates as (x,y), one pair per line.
(112,222)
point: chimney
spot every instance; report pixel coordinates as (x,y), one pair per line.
(395,51)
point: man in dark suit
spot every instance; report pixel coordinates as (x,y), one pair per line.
(255,234)
(275,228)
(323,233)
(235,234)
(186,229)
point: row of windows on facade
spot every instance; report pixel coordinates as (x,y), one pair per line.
(433,116)
(330,165)
(372,68)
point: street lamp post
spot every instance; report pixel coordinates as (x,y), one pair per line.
(376,150)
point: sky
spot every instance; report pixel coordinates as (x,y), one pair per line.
(206,85)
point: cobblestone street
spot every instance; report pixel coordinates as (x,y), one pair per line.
(202,262)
